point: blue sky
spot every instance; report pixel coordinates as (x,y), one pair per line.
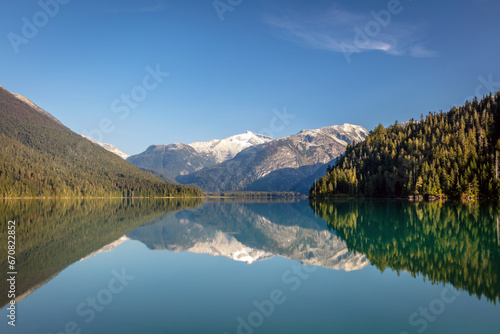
(234,66)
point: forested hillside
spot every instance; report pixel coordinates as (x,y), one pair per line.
(41,157)
(455,154)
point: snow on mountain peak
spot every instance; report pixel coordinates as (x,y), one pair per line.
(108,147)
(227,148)
(343,134)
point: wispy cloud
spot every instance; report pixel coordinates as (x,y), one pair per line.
(349,32)
(420,51)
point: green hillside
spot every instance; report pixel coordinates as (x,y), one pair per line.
(455,154)
(41,157)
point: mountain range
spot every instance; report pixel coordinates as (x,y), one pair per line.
(252,162)
(178,159)
(45,158)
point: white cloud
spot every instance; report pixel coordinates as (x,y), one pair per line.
(349,32)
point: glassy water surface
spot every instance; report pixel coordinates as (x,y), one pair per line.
(183,266)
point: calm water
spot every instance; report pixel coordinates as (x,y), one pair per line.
(155,266)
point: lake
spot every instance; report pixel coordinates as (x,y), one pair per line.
(188,266)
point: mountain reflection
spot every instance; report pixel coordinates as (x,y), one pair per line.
(251,232)
(457,243)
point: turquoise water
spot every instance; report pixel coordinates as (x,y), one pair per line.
(297,267)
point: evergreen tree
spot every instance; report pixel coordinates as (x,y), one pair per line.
(454,154)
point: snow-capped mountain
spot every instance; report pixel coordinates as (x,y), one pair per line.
(108,147)
(251,161)
(179,159)
(225,149)
(343,134)
(285,164)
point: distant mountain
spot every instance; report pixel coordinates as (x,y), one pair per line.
(182,159)
(285,164)
(172,160)
(225,149)
(42,157)
(108,147)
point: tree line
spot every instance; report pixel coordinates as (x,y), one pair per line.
(40,157)
(453,154)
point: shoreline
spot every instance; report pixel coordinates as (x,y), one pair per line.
(412,198)
(50,197)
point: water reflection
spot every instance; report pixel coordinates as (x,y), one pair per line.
(457,243)
(445,242)
(251,232)
(52,234)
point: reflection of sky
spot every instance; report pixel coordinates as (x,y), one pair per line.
(198,293)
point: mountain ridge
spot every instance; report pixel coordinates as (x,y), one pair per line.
(227,148)
(43,158)
(108,147)
(279,165)
(178,159)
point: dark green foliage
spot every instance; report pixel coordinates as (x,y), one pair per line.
(454,154)
(52,234)
(160,175)
(445,242)
(41,157)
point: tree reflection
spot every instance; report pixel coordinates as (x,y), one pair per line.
(449,242)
